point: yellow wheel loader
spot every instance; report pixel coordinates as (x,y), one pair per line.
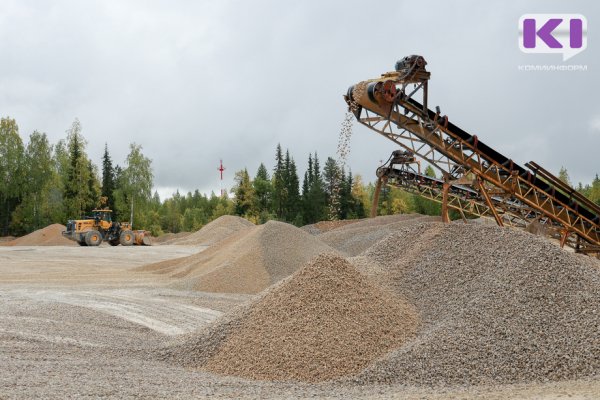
(93,230)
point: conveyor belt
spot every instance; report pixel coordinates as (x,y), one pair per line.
(389,107)
(572,201)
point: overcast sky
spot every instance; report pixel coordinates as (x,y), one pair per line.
(197,81)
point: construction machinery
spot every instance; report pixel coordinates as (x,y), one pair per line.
(93,230)
(475,178)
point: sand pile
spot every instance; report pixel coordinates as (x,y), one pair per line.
(498,306)
(355,238)
(215,231)
(48,236)
(325,321)
(248,261)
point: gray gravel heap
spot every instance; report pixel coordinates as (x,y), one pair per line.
(246,262)
(357,237)
(214,232)
(498,306)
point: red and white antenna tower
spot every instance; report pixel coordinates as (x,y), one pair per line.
(221,169)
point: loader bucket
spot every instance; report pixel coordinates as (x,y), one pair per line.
(142,238)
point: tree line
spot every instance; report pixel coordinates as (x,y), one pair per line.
(43,183)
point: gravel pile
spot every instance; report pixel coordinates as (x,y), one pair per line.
(325,321)
(498,306)
(355,238)
(214,231)
(326,226)
(247,262)
(48,236)
(170,238)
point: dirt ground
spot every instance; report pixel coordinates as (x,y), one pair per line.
(79,322)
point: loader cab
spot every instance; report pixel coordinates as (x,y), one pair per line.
(102,219)
(102,215)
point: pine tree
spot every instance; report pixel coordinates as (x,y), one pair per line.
(314,201)
(108,179)
(293,194)
(262,194)
(80,197)
(279,183)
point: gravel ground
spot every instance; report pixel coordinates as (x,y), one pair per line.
(71,326)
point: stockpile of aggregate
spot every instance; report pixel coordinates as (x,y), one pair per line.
(248,261)
(170,238)
(326,226)
(355,238)
(481,305)
(48,236)
(325,321)
(215,231)
(498,306)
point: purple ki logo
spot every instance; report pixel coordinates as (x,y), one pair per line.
(565,34)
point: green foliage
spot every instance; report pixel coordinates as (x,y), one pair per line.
(263,191)
(244,193)
(39,206)
(108,180)
(80,190)
(42,184)
(313,194)
(563,175)
(12,171)
(134,187)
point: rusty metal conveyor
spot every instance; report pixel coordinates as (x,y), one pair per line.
(395,106)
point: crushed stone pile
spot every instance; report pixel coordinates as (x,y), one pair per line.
(214,232)
(355,238)
(326,321)
(170,238)
(326,226)
(498,306)
(48,236)
(248,261)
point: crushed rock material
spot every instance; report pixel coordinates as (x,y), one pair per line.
(326,226)
(498,305)
(48,236)
(246,262)
(215,231)
(355,238)
(170,238)
(325,321)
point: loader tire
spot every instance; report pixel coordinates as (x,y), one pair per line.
(93,238)
(127,238)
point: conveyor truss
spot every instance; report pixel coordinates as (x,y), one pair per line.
(475,179)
